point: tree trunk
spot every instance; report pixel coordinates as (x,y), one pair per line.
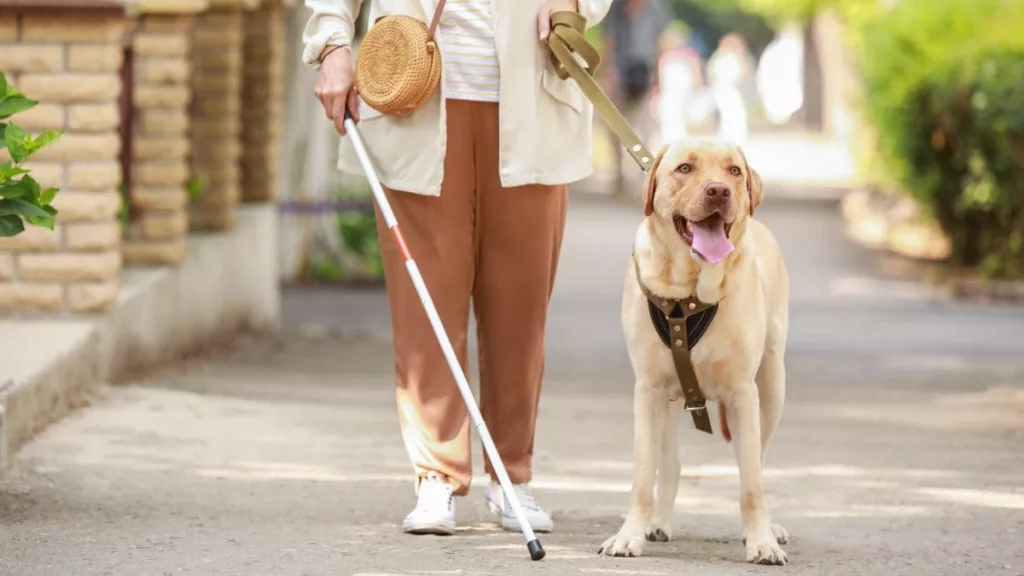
(812,112)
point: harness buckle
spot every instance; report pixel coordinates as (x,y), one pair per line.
(694,407)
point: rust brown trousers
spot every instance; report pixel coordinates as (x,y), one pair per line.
(498,247)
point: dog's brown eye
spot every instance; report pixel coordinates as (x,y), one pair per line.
(685,168)
(735,170)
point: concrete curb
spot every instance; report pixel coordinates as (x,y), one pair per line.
(1002,291)
(227,283)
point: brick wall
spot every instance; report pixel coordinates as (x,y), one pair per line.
(161,147)
(216,116)
(70,65)
(262,100)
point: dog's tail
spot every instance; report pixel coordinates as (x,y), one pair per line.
(723,422)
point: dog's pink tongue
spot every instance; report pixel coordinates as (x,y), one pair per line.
(710,241)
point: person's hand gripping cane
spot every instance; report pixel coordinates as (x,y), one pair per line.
(335,86)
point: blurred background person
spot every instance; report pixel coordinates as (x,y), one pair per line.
(632,29)
(680,76)
(729,70)
(780,75)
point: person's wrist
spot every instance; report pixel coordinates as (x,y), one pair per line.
(330,49)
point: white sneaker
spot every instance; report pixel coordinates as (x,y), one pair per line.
(539,520)
(435,509)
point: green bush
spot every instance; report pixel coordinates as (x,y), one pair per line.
(358,231)
(944,90)
(21,197)
(782,11)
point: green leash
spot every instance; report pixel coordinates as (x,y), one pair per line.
(567,39)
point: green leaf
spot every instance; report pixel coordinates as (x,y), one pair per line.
(22,208)
(8,171)
(13,190)
(17,143)
(11,225)
(3,84)
(3,130)
(11,105)
(43,140)
(32,187)
(41,221)
(47,196)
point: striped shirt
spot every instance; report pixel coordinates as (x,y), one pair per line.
(466,32)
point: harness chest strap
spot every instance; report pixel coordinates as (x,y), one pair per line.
(680,324)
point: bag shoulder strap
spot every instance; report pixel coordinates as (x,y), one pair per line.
(436,19)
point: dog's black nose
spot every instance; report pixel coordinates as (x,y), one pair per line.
(717,192)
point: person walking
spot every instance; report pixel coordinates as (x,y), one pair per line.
(729,71)
(478,178)
(679,80)
(631,52)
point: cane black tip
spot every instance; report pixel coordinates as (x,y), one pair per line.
(536,550)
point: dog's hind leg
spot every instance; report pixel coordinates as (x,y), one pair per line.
(650,412)
(771,389)
(744,414)
(660,529)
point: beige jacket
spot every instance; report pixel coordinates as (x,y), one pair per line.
(545,123)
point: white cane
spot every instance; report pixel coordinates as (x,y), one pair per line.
(532,543)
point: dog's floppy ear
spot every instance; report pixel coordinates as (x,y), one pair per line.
(652,181)
(755,187)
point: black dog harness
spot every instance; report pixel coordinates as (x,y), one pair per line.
(680,325)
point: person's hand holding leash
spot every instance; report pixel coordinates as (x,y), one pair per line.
(549,8)
(335,86)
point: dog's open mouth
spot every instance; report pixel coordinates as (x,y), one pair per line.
(708,238)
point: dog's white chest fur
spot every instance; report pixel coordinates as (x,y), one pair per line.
(730,348)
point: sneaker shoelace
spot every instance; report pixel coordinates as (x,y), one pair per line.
(435,493)
(524,493)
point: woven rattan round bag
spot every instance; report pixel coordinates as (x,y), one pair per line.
(399,64)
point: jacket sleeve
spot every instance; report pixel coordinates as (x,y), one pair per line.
(594,10)
(332,23)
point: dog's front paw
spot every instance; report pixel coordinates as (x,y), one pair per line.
(659,531)
(628,543)
(765,549)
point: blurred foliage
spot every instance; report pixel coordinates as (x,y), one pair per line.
(358,256)
(943,85)
(124,213)
(781,11)
(195,187)
(358,232)
(710,20)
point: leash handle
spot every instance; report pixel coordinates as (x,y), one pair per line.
(566,41)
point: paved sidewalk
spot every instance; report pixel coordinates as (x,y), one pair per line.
(899,451)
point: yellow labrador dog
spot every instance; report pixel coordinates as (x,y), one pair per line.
(699,240)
